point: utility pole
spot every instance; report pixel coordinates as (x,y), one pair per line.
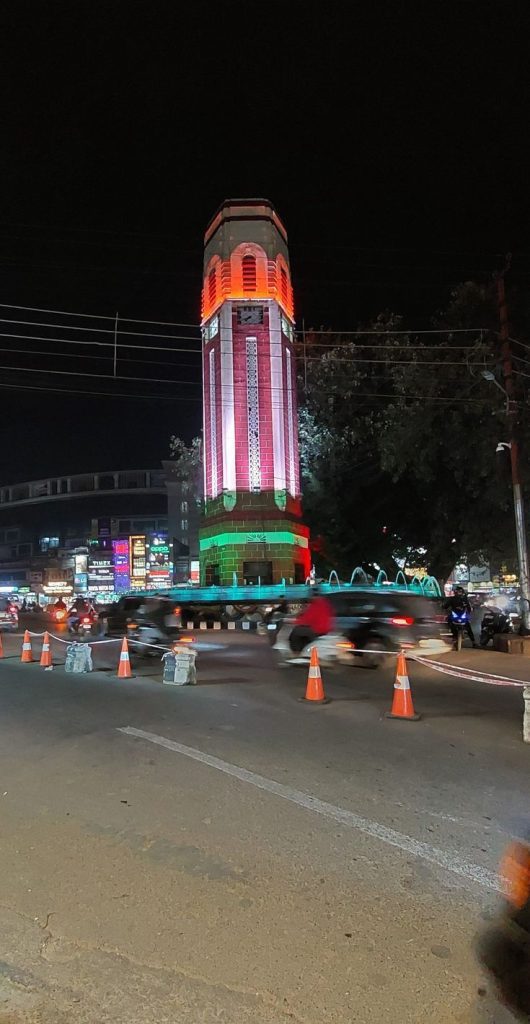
(511,415)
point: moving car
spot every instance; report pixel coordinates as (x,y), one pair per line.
(368,623)
(114,620)
(8,615)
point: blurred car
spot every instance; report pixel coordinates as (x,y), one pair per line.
(8,615)
(115,619)
(368,624)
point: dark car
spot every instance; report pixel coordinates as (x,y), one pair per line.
(114,617)
(374,620)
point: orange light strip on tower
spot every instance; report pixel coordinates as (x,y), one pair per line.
(230,279)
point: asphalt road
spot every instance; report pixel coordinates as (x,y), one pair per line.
(240,856)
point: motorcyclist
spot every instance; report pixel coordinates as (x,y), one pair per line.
(316,620)
(81,606)
(459,602)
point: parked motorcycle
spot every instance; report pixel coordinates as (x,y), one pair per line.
(494,621)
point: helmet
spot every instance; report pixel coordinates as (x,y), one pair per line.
(459,590)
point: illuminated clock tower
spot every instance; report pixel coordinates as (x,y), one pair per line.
(252,526)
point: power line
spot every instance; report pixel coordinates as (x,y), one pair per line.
(101,344)
(191,398)
(100,330)
(94,316)
(81,355)
(97,394)
(434,330)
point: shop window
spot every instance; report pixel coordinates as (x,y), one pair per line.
(184,525)
(184,506)
(124,526)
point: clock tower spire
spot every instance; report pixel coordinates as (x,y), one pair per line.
(252,525)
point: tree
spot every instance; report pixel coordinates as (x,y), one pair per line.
(398,442)
(188,458)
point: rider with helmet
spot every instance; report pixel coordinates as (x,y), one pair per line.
(459,603)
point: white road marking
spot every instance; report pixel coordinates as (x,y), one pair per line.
(441,858)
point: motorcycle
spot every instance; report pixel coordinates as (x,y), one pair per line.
(504,947)
(494,621)
(59,615)
(148,640)
(82,626)
(458,620)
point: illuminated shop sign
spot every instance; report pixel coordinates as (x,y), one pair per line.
(122,572)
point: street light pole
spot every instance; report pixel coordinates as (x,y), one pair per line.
(511,414)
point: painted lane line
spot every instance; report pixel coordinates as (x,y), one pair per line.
(448,861)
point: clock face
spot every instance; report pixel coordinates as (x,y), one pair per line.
(250,314)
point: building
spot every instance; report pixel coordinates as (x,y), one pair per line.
(252,526)
(102,533)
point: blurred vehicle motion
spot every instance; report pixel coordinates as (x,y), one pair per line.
(8,615)
(504,947)
(364,624)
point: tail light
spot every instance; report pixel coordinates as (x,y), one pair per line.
(86,620)
(186,640)
(345,645)
(403,620)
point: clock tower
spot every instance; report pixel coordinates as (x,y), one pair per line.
(252,518)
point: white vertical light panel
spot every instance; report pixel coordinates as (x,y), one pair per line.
(213,423)
(278,426)
(290,421)
(254,469)
(227,399)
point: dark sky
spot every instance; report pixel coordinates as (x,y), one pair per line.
(392,138)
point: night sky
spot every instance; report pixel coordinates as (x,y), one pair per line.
(393,140)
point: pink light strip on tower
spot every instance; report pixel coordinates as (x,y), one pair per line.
(277,396)
(254,470)
(213,425)
(290,422)
(227,400)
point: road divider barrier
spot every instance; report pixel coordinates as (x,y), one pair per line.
(46,654)
(314,693)
(27,653)
(402,706)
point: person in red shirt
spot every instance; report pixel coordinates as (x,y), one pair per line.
(316,620)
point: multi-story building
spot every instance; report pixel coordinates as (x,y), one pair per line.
(86,533)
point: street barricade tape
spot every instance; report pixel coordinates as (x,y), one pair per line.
(468,673)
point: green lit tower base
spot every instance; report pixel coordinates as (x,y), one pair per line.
(252,526)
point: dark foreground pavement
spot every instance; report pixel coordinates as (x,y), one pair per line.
(251,858)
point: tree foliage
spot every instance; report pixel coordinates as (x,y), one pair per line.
(398,437)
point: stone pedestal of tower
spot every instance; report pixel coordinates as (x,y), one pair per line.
(252,526)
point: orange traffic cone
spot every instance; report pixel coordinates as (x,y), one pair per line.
(402,706)
(314,693)
(46,654)
(124,668)
(27,653)
(1,647)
